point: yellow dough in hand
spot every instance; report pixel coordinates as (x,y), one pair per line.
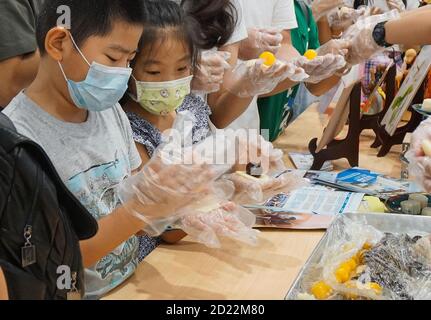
(268,58)
(426,147)
(310,54)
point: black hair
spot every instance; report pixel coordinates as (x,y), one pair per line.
(88,17)
(164,18)
(217,20)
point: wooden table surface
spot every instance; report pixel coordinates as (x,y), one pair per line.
(192,271)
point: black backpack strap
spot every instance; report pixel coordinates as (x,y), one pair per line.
(83,223)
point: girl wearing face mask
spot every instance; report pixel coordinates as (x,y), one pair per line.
(160,87)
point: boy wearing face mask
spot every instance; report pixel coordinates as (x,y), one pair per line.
(71,109)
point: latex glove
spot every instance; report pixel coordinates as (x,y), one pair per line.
(396,5)
(260,40)
(322,7)
(209,74)
(361,38)
(252,78)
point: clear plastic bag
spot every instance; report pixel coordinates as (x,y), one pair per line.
(360,262)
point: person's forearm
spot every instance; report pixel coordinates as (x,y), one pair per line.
(3,287)
(319,89)
(114,229)
(411,29)
(325,32)
(281,87)
(16,74)
(227,108)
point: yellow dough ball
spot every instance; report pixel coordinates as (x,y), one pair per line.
(268,58)
(310,54)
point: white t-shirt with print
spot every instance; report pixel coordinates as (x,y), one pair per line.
(278,14)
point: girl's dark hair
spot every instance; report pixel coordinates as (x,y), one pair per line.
(217,20)
(164,18)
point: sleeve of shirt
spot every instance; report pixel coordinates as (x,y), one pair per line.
(17,29)
(134,157)
(284,15)
(240,32)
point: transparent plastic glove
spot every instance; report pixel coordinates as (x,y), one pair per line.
(396,5)
(343,18)
(253,148)
(252,190)
(159,191)
(322,67)
(260,40)
(177,175)
(209,74)
(322,7)
(360,35)
(252,78)
(419,163)
(208,225)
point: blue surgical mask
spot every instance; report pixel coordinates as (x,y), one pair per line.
(103,87)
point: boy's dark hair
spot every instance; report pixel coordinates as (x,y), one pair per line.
(88,17)
(217,20)
(164,18)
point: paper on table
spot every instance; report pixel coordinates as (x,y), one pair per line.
(304,161)
(324,202)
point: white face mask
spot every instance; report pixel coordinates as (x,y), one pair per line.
(162,98)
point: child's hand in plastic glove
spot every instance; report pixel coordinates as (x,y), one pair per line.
(322,7)
(343,18)
(321,67)
(223,221)
(396,5)
(258,41)
(253,148)
(252,78)
(209,74)
(360,35)
(419,162)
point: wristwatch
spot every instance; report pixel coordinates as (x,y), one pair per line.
(379,35)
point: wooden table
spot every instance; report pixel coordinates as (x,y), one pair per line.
(192,271)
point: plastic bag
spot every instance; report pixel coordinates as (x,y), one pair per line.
(360,262)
